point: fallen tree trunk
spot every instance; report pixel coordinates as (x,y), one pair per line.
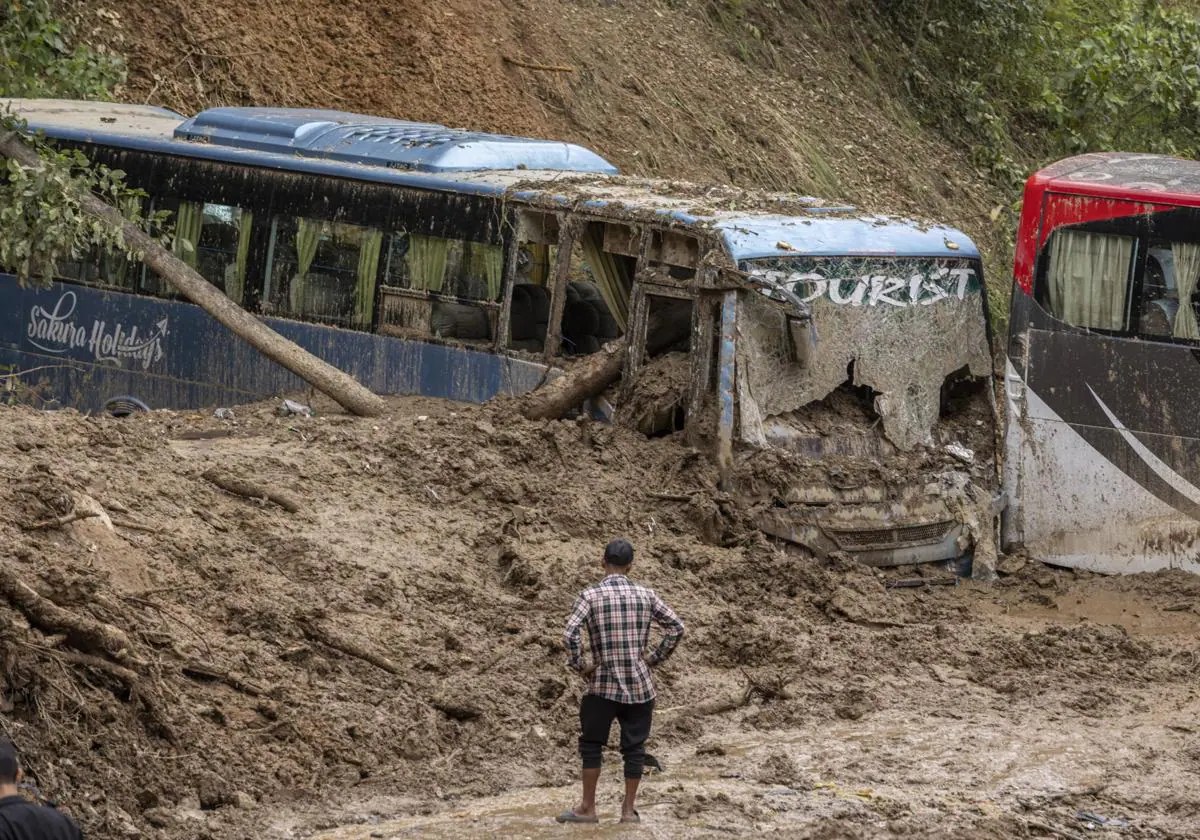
(589,378)
(596,372)
(249,490)
(326,378)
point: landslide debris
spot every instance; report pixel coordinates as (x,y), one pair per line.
(398,631)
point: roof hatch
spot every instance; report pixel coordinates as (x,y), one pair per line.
(378,141)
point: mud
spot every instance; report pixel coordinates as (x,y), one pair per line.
(384,662)
(659,396)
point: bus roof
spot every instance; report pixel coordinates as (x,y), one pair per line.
(550,173)
(1124,175)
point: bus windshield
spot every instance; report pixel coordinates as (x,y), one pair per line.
(898,326)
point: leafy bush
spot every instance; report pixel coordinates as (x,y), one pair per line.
(1026,80)
(35,59)
(41,220)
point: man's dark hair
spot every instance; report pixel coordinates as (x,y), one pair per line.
(619,552)
(9,762)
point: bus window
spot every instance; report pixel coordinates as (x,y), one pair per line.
(598,290)
(1169,300)
(323,271)
(530,313)
(1160,299)
(1088,278)
(447,288)
(214,239)
(100,267)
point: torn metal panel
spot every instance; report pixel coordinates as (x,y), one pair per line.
(899,326)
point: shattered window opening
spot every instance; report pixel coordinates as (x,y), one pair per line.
(900,325)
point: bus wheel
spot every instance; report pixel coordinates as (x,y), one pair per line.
(124,406)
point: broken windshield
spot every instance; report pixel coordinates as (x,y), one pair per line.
(898,326)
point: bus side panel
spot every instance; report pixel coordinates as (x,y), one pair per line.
(1098,491)
(89,345)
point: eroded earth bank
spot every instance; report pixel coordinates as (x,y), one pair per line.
(376,653)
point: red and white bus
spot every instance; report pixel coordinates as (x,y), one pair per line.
(1103,377)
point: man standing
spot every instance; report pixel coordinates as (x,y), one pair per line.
(618,614)
(20,819)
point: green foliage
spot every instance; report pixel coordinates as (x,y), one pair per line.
(41,217)
(35,59)
(1026,80)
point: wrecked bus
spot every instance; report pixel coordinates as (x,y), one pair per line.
(835,363)
(1102,461)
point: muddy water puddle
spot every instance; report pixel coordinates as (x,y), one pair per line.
(930,770)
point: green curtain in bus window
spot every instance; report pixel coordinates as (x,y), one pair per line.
(611,275)
(189,218)
(487,261)
(235,285)
(539,264)
(308,237)
(368,270)
(1187,267)
(427,256)
(1089,278)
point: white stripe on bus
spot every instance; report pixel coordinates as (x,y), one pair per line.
(1160,467)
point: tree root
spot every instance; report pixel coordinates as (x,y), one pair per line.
(82,633)
(59,521)
(133,682)
(327,637)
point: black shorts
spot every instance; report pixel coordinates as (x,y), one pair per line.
(596,715)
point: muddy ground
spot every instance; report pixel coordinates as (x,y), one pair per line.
(383,661)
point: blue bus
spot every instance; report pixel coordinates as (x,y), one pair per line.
(835,362)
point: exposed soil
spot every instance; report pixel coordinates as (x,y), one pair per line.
(384,662)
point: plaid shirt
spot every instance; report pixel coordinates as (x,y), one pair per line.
(618,613)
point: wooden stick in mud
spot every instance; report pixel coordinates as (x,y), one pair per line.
(59,521)
(548,68)
(135,526)
(249,490)
(208,671)
(82,633)
(711,707)
(519,642)
(341,644)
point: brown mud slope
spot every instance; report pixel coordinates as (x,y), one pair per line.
(382,659)
(784,96)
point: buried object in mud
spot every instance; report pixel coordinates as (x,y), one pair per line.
(249,490)
(597,372)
